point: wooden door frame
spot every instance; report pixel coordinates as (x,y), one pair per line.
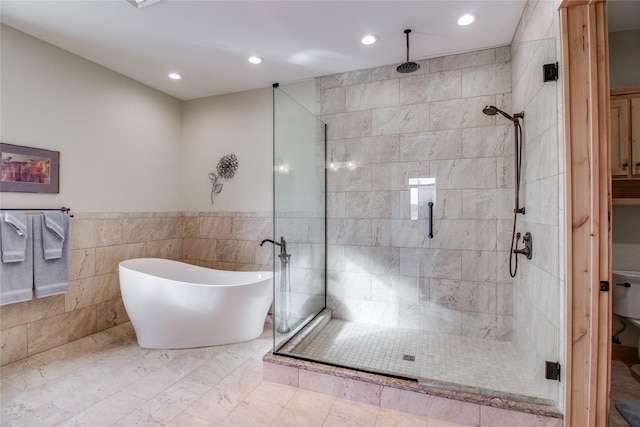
(585,59)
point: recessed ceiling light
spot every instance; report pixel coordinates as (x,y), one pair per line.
(467,19)
(255,60)
(369,39)
(142,3)
(175,76)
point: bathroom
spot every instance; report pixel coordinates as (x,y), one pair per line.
(114,222)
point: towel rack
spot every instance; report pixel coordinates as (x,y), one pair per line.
(62,209)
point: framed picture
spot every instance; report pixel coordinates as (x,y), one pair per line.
(29,170)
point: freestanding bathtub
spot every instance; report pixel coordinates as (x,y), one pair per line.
(176,305)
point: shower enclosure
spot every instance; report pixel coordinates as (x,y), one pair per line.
(400,223)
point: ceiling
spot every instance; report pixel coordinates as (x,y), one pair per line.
(209,42)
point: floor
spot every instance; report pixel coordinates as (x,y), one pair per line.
(107,380)
(625,385)
(432,356)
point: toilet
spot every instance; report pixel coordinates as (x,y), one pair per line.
(626,297)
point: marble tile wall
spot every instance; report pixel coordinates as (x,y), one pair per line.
(538,291)
(228,240)
(99,241)
(391,127)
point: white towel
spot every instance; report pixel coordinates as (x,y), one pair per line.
(16,278)
(50,276)
(54,225)
(14,236)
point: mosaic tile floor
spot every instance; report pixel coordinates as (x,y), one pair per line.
(484,365)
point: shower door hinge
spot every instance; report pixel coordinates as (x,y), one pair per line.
(550,72)
(604,286)
(552,370)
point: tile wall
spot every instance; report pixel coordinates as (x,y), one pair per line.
(99,241)
(392,127)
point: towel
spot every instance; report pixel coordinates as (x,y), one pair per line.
(50,276)
(53,233)
(14,236)
(16,278)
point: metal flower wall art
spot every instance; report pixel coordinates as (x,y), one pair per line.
(226,168)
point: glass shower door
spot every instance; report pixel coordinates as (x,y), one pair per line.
(299,216)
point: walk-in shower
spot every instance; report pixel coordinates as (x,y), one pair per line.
(397,215)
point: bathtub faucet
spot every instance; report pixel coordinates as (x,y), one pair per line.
(284,256)
(284,312)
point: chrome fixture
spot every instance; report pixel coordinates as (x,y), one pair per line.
(408,67)
(285,259)
(491,110)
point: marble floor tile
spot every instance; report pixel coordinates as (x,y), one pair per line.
(349,413)
(389,418)
(107,380)
(305,408)
(107,411)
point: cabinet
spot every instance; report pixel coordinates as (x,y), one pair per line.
(625,134)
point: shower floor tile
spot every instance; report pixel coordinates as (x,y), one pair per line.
(485,365)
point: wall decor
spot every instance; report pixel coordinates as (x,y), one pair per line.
(226,168)
(29,170)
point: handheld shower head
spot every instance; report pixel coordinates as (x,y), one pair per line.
(491,110)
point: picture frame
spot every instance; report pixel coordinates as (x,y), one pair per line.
(29,170)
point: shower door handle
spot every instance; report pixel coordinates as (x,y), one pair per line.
(430,220)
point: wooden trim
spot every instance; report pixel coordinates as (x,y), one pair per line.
(604,220)
(626,202)
(587,204)
(573,3)
(625,92)
(568,371)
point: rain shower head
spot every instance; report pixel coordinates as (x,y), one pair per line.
(408,67)
(490,110)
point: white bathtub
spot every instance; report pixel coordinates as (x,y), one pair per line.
(176,305)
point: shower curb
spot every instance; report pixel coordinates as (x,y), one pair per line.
(405,395)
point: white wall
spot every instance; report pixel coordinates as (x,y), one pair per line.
(238,123)
(626,238)
(624,58)
(119,140)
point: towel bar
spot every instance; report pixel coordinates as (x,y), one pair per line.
(62,209)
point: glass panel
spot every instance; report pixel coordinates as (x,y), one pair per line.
(482,330)
(299,217)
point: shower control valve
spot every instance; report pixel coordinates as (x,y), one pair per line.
(527,250)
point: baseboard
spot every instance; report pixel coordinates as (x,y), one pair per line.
(625,353)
